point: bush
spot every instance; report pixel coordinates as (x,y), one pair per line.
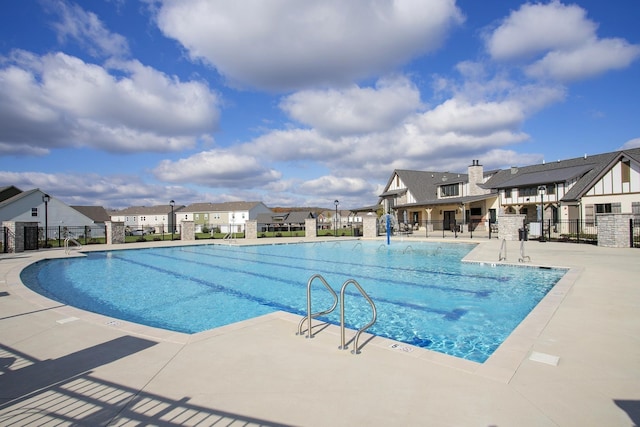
(278,234)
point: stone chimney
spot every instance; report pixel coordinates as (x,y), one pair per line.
(476,178)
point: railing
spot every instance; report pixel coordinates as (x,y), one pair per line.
(311,315)
(67,248)
(374,315)
(523,257)
(502,256)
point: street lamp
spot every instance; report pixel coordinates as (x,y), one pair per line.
(45,199)
(336,202)
(171,220)
(541,190)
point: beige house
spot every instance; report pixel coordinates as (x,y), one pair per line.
(558,196)
(227,217)
(440,200)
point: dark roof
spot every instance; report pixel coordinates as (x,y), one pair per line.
(586,170)
(293,217)
(220,207)
(146,210)
(95,213)
(452,200)
(424,185)
(8,192)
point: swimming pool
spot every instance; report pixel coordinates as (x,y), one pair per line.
(424,294)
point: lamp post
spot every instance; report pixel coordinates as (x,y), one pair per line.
(171,219)
(336,202)
(45,199)
(541,190)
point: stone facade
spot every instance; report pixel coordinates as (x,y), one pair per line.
(614,230)
(15,241)
(115,232)
(509,225)
(311,227)
(369,226)
(188,230)
(251,229)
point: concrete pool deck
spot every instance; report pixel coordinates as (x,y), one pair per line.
(575,361)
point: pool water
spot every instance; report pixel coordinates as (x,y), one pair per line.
(424,294)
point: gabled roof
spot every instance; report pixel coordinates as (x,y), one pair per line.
(8,192)
(95,213)
(293,217)
(424,185)
(220,207)
(18,196)
(586,170)
(145,210)
(590,178)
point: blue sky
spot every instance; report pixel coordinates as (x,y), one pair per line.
(122,102)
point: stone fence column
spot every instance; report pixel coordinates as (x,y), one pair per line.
(370,226)
(614,230)
(115,232)
(509,225)
(251,229)
(311,227)
(187,230)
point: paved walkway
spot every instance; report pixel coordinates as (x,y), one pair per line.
(575,361)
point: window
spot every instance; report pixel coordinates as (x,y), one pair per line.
(527,191)
(551,189)
(34,211)
(608,208)
(507,193)
(449,190)
(476,211)
(626,171)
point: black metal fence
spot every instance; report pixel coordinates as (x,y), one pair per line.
(86,235)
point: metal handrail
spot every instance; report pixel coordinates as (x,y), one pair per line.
(67,249)
(523,257)
(310,315)
(503,250)
(365,327)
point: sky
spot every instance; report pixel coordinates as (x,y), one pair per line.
(299,103)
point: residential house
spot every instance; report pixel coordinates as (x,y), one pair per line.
(283,221)
(149,219)
(573,189)
(440,200)
(48,211)
(226,217)
(557,192)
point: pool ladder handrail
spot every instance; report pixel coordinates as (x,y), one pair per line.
(374,316)
(503,251)
(310,315)
(67,240)
(523,257)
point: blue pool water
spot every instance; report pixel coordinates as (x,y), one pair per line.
(424,294)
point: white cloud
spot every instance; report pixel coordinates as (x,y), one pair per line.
(59,100)
(354,110)
(536,28)
(632,143)
(291,44)
(86,29)
(112,191)
(217,168)
(589,60)
(330,185)
(561,41)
